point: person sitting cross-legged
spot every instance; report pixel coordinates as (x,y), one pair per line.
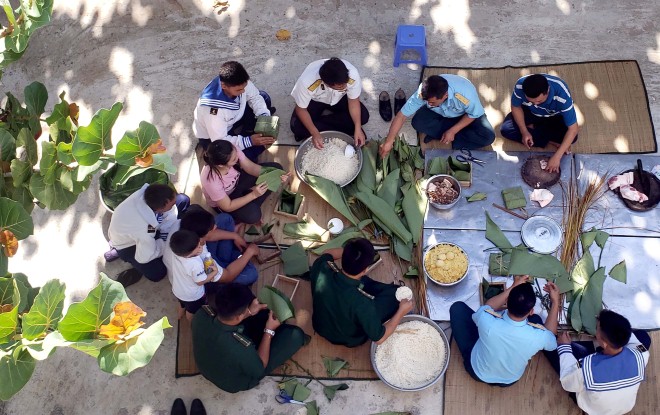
(496,347)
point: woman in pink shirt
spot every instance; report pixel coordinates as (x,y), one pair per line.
(229,182)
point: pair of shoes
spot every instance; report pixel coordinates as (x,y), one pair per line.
(111,255)
(385,104)
(129,277)
(196,408)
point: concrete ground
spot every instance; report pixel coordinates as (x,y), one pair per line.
(156,56)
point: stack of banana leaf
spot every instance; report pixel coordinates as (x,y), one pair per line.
(385,198)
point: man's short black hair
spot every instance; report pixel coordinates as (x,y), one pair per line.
(233,73)
(157,196)
(183,242)
(535,85)
(434,86)
(357,256)
(521,300)
(334,72)
(615,328)
(197,220)
(232,299)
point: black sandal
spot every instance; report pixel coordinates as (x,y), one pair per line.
(385,106)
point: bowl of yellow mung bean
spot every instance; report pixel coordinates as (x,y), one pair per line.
(445,263)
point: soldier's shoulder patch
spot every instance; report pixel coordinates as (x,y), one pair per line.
(351,81)
(493,313)
(536,326)
(315,85)
(641,348)
(461,98)
(332,266)
(363,292)
(242,339)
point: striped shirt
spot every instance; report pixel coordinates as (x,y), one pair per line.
(559,100)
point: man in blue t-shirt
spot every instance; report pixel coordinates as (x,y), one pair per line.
(542,112)
(446,108)
(497,346)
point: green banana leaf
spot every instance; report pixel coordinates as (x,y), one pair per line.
(389,189)
(366,179)
(457,165)
(295,260)
(498,263)
(536,265)
(269,126)
(290,202)
(331,193)
(461,176)
(414,207)
(277,302)
(495,234)
(402,249)
(271,176)
(477,197)
(385,213)
(592,300)
(333,365)
(304,230)
(574,311)
(438,165)
(514,197)
(330,390)
(582,271)
(618,272)
(337,242)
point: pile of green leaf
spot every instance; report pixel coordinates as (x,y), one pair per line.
(385,198)
(461,171)
(583,286)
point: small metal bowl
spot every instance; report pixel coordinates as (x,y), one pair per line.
(307,144)
(415,317)
(428,276)
(455,184)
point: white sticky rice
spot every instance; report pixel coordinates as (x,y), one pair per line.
(330,161)
(412,356)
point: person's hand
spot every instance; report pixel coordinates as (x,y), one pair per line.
(519,279)
(285,177)
(552,289)
(240,242)
(553,163)
(255,307)
(272,322)
(359,137)
(447,137)
(385,147)
(261,140)
(527,139)
(563,338)
(317,140)
(252,250)
(259,189)
(406,306)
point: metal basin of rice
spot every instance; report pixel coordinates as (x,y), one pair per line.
(307,144)
(454,183)
(407,318)
(427,268)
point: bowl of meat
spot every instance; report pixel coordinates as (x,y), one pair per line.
(443,191)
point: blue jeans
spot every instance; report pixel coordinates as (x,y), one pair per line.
(225,252)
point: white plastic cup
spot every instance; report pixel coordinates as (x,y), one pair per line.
(335,226)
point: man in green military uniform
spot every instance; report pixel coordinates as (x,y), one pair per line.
(240,342)
(349,307)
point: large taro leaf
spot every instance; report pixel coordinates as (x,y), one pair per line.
(414,207)
(592,300)
(385,213)
(26,140)
(83,320)
(54,196)
(495,234)
(16,368)
(46,310)
(91,140)
(304,230)
(271,176)
(135,143)
(331,193)
(618,272)
(36,97)
(389,190)
(123,357)
(7,146)
(545,266)
(15,218)
(295,260)
(277,302)
(338,241)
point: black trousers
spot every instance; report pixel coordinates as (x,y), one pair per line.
(339,118)
(545,129)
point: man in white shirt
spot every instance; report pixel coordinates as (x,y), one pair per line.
(140,225)
(227,110)
(331,85)
(605,382)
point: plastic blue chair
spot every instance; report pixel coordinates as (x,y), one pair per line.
(410,37)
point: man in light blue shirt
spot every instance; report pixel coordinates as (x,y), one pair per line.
(542,113)
(446,108)
(496,347)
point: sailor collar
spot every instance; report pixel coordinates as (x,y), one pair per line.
(213,96)
(604,373)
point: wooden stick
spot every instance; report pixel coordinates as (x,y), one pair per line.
(511,212)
